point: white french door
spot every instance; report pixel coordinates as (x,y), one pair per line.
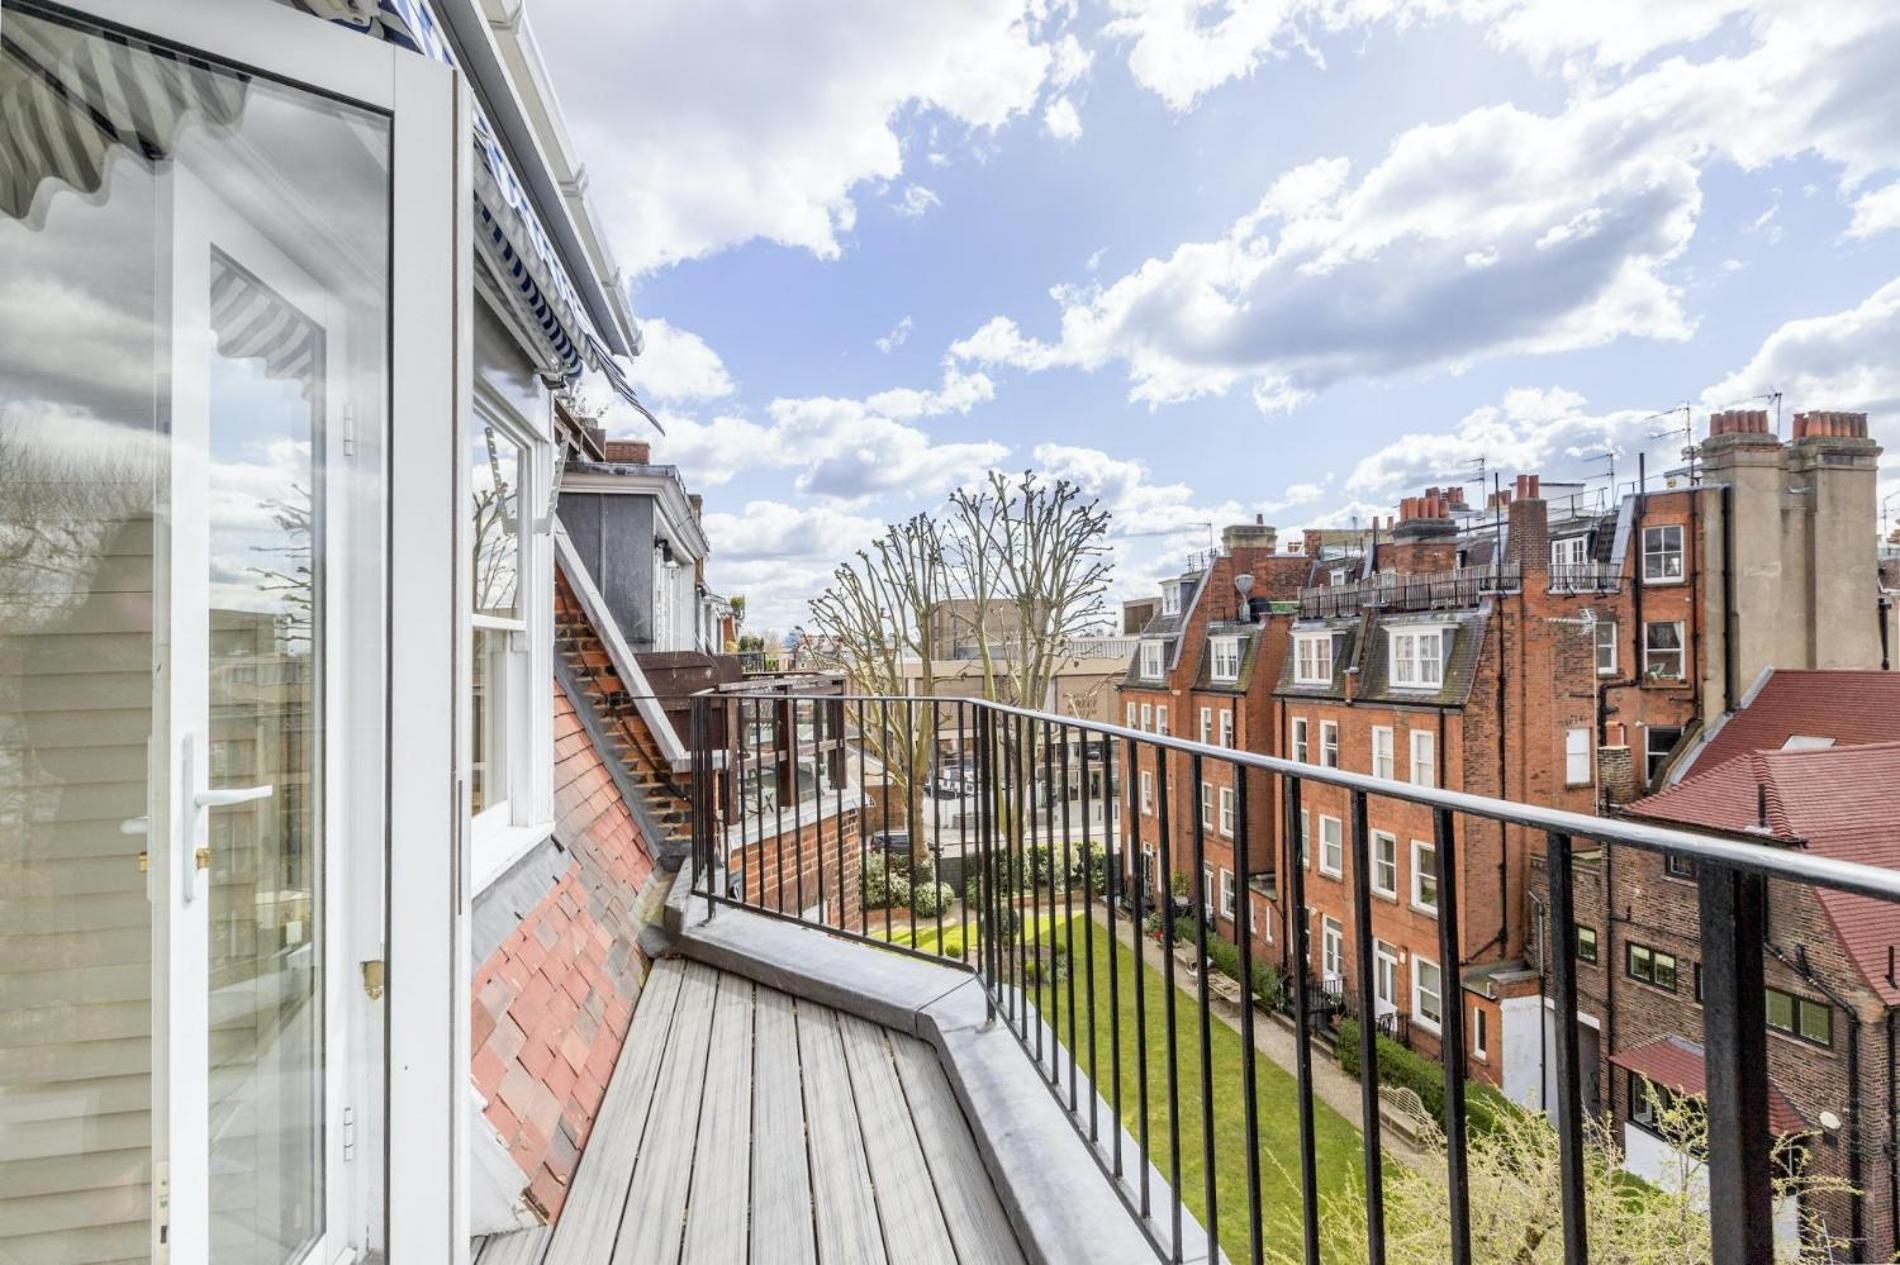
(241,234)
(1385,980)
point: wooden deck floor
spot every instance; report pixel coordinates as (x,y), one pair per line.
(742,1125)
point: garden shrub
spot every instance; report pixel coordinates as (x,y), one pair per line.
(1401,1068)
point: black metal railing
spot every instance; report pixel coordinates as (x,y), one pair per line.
(1419,591)
(1584,577)
(1057,897)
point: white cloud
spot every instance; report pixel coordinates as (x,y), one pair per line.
(677,364)
(1843,360)
(1876,211)
(703,130)
(897,337)
(1061,121)
(843,450)
(780,556)
(1072,62)
(1095,258)
(1548,431)
(917,200)
(1574,224)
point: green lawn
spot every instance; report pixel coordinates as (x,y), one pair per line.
(1277,1102)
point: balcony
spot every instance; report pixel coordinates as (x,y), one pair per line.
(1010,1068)
(1584,577)
(1425,591)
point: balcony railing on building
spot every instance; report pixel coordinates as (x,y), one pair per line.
(1104,647)
(1392,591)
(1034,885)
(1584,577)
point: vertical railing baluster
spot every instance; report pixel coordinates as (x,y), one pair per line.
(864,825)
(1068,911)
(1451,1034)
(936,820)
(986,881)
(912,832)
(778,801)
(884,839)
(1249,1089)
(1140,928)
(1088,932)
(736,746)
(1733,907)
(1203,899)
(1048,1014)
(1171,1047)
(1562,948)
(1302,1022)
(1368,1030)
(758,777)
(963,824)
(798,830)
(840,774)
(1025,770)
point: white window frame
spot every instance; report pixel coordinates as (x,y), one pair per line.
(1224,653)
(1569,551)
(1604,638)
(1383,756)
(1329,744)
(1658,550)
(1133,712)
(1419,848)
(1680,652)
(1480,1034)
(1334,847)
(1420,1015)
(1171,598)
(1386,839)
(1226,727)
(1207,805)
(1424,757)
(1302,740)
(509,828)
(1153,665)
(1147,718)
(1306,838)
(1147,793)
(1225,802)
(1207,894)
(1227,894)
(1411,667)
(1313,659)
(1207,723)
(1332,948)
(1577,762)
(1161,719)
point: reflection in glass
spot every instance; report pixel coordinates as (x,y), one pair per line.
(495,490)
(195,280)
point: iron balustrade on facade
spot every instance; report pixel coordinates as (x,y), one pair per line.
(1421,591)
(1584,577)
(1022,886)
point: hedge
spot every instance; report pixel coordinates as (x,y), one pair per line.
(1401,1068)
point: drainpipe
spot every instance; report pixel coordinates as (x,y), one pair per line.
(1884,611)
(1731,610)
(1893,1121)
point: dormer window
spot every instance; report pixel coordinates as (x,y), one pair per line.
(1313,659)
(1418,658)
(1225,653)
(1151,661)
(1571,551)
(1171,598)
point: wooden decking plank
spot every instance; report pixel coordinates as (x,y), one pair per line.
(717,1204)
(655,1214)
(900,1180)
(845,1210)
(781,1172)
(518,1247)
(978,1224)
(590,1217)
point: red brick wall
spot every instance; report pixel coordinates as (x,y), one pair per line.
(775,871)
(552,1004)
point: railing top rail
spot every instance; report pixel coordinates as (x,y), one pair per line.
(1761,858)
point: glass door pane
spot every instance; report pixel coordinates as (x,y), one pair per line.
(193,387)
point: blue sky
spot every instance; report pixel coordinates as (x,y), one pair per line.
(1215,258)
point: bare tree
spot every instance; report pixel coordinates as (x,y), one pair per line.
(1030,562)
(879,616)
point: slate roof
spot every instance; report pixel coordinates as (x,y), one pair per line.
(1839,802)
(1167,629)
(1676,1063)
(1850,707)
(1366,647)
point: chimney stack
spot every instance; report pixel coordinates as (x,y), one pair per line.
(1255,535)
(627,452)
(1529,521)
(1830,426)
(1739,421)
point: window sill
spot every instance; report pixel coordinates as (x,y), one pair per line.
(1420,1021)
(1430,911)
(1664,582)
(495,849)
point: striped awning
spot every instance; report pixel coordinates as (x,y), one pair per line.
(254,322)
(72,98)
(509,234)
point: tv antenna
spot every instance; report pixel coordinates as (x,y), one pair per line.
(1686,430)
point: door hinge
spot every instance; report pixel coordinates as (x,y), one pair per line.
(349,430)
(373,979)
(162,1209)
(349,1134)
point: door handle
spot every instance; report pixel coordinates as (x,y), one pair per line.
(233,795)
